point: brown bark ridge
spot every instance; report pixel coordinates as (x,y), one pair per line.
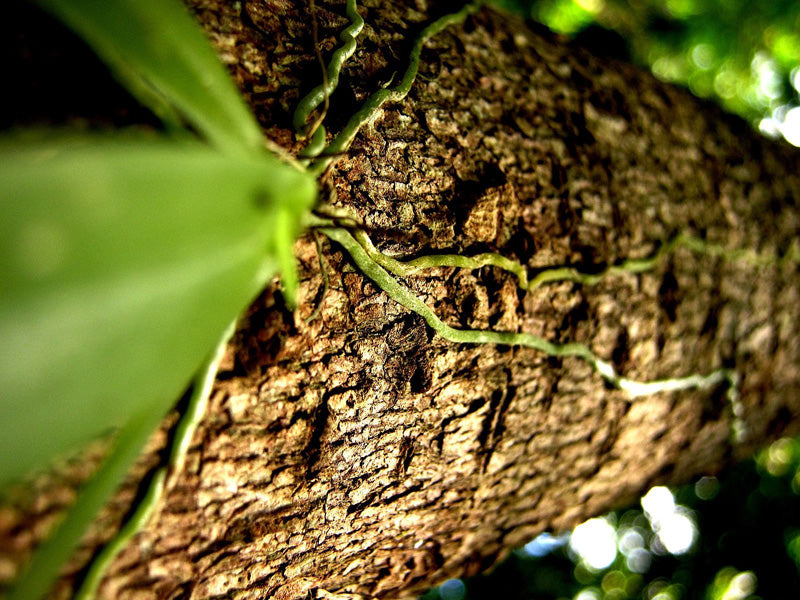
(356,454)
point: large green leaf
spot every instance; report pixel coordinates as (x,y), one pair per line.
(163,58)
(121,262)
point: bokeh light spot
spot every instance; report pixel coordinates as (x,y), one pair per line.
(588,594)
(595,542)
(741,586)
(677,532)
(706,488)
(675,527)
(630,540)
(452,589)
(790,128)
(658,502)
(703,56)
(544,544)
(639,560)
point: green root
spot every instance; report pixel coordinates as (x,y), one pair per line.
(380,268)
(316,145)
(317,96)
(409,300)
(406,268)
(370,108)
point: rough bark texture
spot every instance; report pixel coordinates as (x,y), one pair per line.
(358,455)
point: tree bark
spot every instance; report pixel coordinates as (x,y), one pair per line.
(354,453)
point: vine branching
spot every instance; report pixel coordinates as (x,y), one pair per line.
(322,92)
(369,110)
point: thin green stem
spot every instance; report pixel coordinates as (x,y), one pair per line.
(408,299)
(137,520)
(396,93)
(317,96)
(406,268)
(148,503)
(197,405)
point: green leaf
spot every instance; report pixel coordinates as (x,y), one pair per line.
(121,262)
(48,559)
(165,60)
(56,550)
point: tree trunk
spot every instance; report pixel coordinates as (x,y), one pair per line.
(350,451)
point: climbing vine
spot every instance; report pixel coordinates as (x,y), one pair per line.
(324,155)
(384,270)
(319,95)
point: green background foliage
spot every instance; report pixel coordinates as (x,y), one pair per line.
(745,55)
(747,546)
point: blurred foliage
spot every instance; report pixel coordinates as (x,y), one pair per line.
(746,545)
(744,54)
(124,255)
